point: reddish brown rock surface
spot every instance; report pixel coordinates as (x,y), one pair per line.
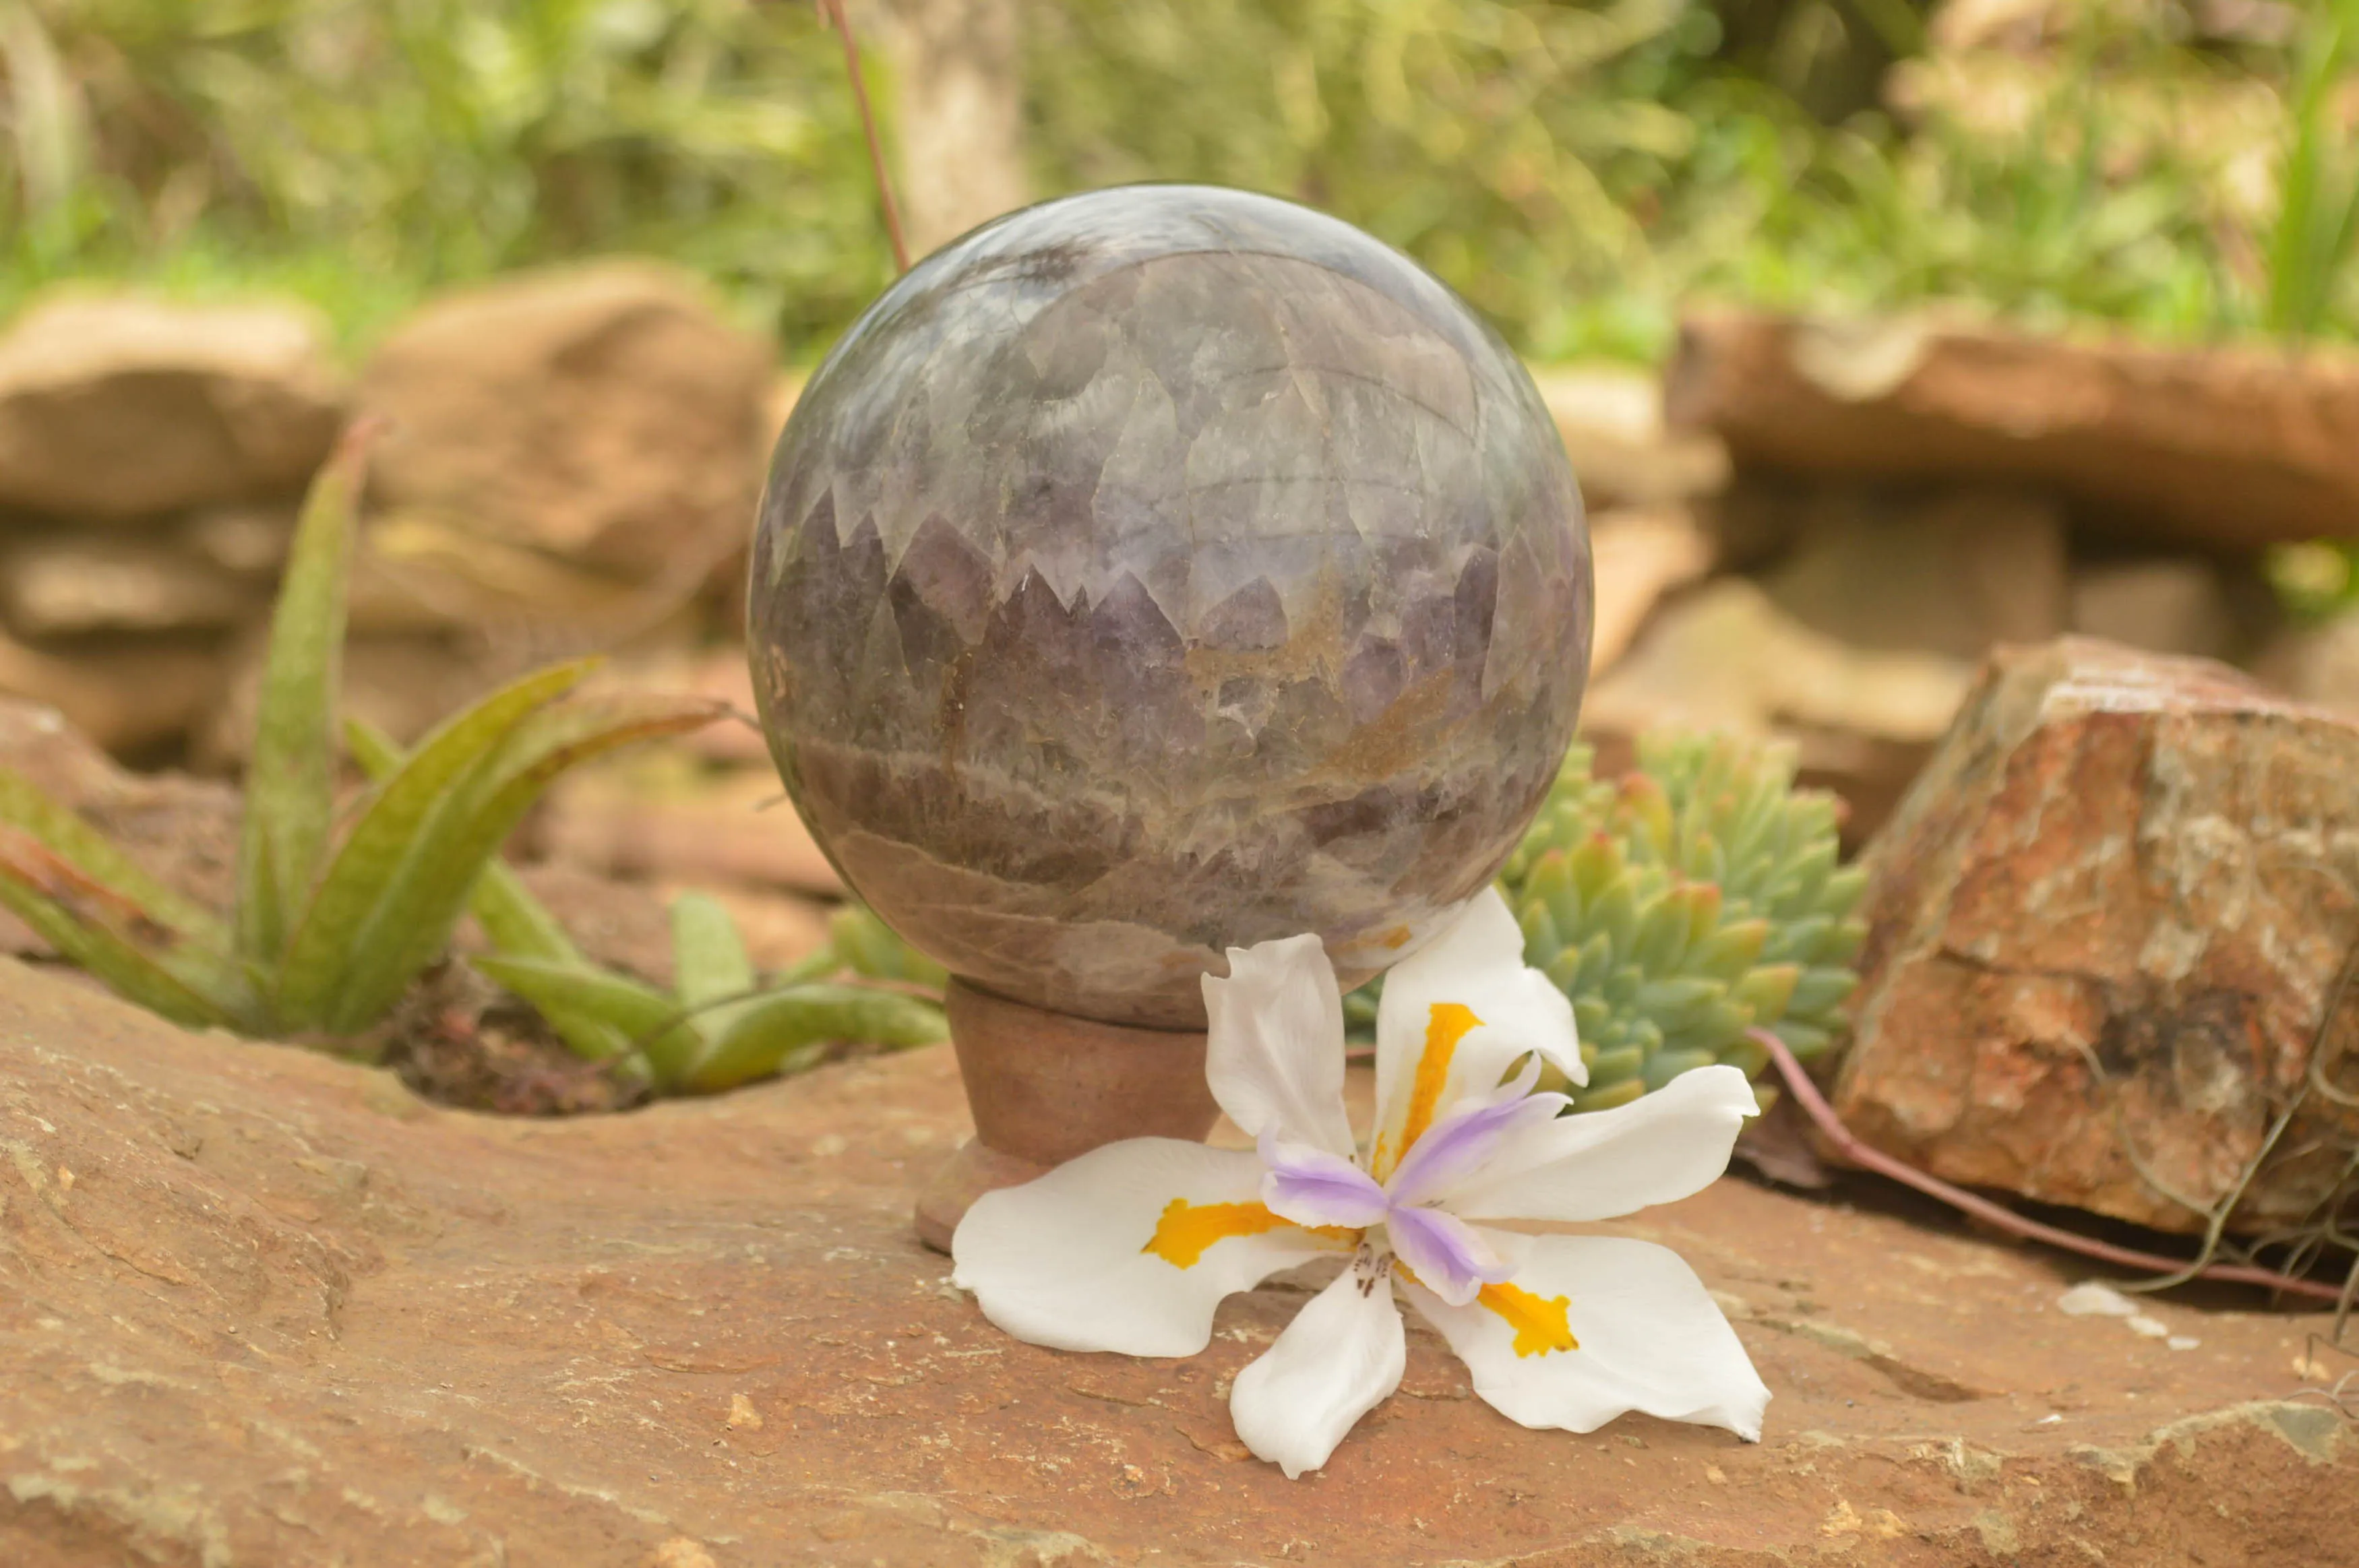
(258,1307)
(2220,447)
(2105,923)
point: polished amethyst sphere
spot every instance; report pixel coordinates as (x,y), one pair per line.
(1162,569)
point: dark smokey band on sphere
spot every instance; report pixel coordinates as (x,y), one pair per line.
(1163,569)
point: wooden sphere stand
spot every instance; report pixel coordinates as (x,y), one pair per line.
(1046,1086)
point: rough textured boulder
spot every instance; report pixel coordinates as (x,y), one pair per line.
(119,407)
(265,1308)
(2104,926)
(603,414)
(2220,447)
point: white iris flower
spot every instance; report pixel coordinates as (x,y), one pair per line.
(1131,1247)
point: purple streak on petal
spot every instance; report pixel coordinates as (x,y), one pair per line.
(1310,1186)
(1448,1256)
(1457,1146)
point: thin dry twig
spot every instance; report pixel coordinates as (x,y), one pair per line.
(2304,1247)
(2215,1219)
(1814,1105)
(833,12)
(2317,1083)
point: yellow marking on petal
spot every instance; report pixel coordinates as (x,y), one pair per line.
(1447,1022)
(1186,1228)
(1542,1324)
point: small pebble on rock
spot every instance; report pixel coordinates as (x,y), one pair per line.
(2090,1298)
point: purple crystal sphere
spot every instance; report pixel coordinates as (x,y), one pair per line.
(1163,569)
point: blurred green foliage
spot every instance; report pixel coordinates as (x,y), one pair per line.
(364,151)
(1578,170)
(1576,167)
(2316,235)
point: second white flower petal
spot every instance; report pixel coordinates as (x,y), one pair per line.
(1095,1255)
(1341,1356)
(1594,1326)
(1274,1051)
(1604,1163)
(1455,1016)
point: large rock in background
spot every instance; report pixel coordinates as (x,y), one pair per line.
(264,1308)
(69,586)
(2317,664)
(2103,926)
(135,698)
(1725,657)
(1611,417)
(2167,605)
(116,407)
(1950,572)
(2226,448)
(603,414)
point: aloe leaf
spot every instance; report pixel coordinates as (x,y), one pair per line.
(421,893)
(816,965)
(376,856)
(637,1015)
(519,925)
(290,774)
(768,1035)
(872,948)
(87,901)
(708,961)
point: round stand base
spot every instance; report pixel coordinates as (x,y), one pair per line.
(1046,1086)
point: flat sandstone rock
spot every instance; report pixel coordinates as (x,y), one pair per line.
(259,1307)
(2220,448)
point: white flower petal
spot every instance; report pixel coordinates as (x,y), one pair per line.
(1068,1261)
(1340,1358)
(1603,1163)
(1648,1338)
(1455,1016)
(1273,1053)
